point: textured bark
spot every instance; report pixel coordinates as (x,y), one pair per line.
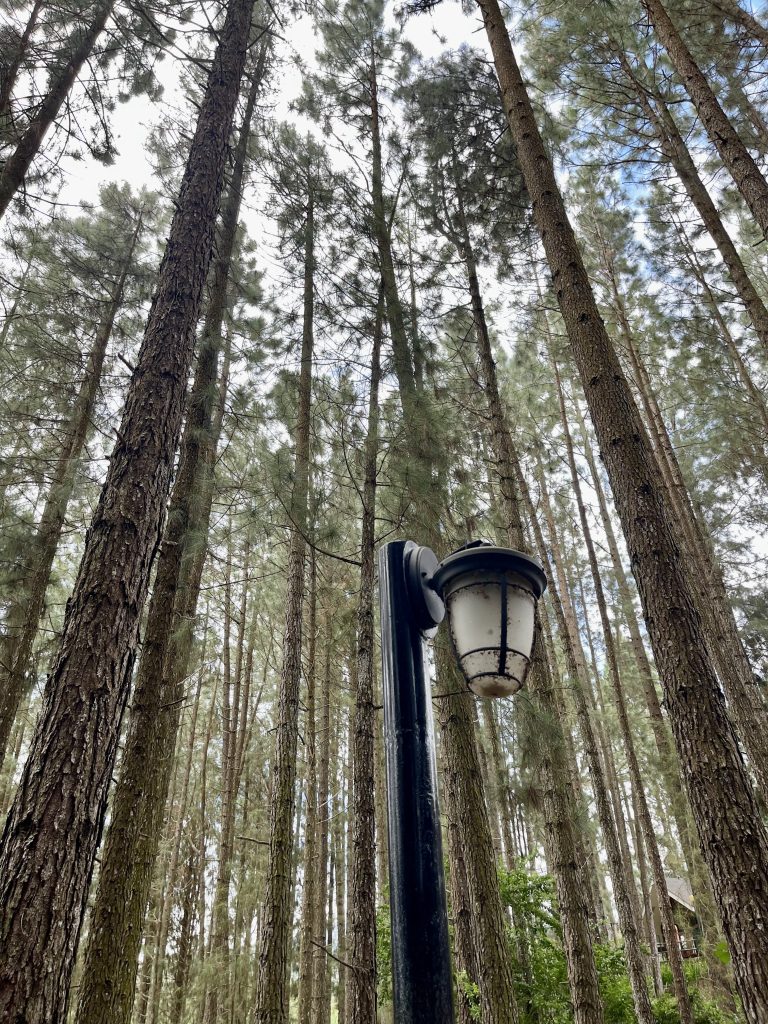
(501,783)
(489,787)
(668,763)
(737,361)
(28,597)
(340,874)
(646,822)
(139,802)
(382,851)
(574,655)
(461,775)
(306,949)
(584,835)
(723,136)
(602,773)
(561,841)
(184,951)
(401,353)
(361,980)
(10,65)
(723,642)
(191,883)
(459,906)
(648,920)
(321,915)
(80,47)
(202,947)
(160,931)
(236,689)
(675,150)
(735,13)
(272,992)
(64,785)
(732,835)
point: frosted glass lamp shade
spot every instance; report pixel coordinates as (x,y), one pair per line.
(490,595)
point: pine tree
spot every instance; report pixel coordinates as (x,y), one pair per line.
(702,732)
(88,685)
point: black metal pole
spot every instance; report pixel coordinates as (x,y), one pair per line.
(421,962)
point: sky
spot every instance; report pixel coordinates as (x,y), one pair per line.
(132,121)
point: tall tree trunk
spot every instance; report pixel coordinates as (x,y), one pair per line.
(68,65)
(361,980)
(668,764)
(202,947)
(10,65)
(753,393)
(464,797)
(721,634)
(675,150)
(138,805)
(566,624)
(561,840)
(735,13)
(165,884)
(42,874)
(646,822)
(465,800)
(272,982)
(732,835)
(28,598)
(341,874)
(234,727)
(321,916)
(184,950)
(401,353)
(501,782)
(602,773)
(723,136)
(306,949)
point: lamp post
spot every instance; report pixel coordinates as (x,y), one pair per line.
(490,594)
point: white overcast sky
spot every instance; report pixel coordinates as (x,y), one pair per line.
(132,121)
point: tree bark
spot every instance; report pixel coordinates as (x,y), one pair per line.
(234,727)
(723,136)
(306,949)
(340,874)
(461,773)
(561,840)
(735,13)
(731,832)
(9,70)
(361,980)
(723,642)
(675,150)
(64,785)
(602,773)
(28,599)
(646,822)
(81,44)
(320,993)
(272,994)
(138,805)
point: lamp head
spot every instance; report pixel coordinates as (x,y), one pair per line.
(490,594)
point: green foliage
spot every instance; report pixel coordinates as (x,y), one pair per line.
(472,993)
(541,978)
(384,951)
(614,984)
(721,952)
(541,973)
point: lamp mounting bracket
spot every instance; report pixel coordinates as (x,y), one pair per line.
(427,607)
